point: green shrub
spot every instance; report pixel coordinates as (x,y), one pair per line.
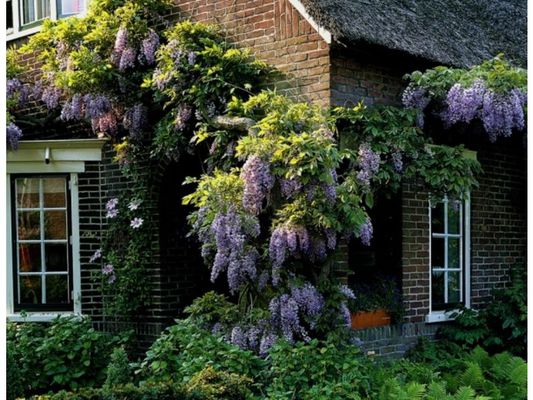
(184,349)
(65,354)
(118,370)
(315,370)
(148,391)
(14,375)
(210,384)
(501,326)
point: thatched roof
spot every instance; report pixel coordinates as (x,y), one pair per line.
(454,32)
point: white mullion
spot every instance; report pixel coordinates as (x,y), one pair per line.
(430,213)
(43,263)
(43,273)
(53,10)
(461,252)
(16,19)
(467,250)
(445,250)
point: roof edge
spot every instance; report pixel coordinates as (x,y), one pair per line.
(323,32)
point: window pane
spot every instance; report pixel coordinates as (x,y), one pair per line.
(30,290)
(27,193)
(68,7)
(56,256)
(55,225)
(57,289)
(29,223)
(30,257)
(43,9)
(453,253)
(437,218)
(437,290)
(454,287)
(454,222)
(437,252)
(28,12)
(9,14)
(54,192)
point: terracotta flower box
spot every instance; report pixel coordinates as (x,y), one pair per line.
(370,319)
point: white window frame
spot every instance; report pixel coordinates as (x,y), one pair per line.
(49,157)
(464,255)
(19,29)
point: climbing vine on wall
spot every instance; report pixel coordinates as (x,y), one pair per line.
(284,182)
(494,92)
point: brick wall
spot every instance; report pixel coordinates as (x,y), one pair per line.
(276,33)
(415,252)
(498,219)
(370,74)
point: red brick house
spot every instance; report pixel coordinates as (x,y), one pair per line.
(335,52)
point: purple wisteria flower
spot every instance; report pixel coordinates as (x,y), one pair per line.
(331,239)
(231,232)
(347,292)
(289,187)
(330,189)
(397,161)
(258,181)
(106,123)
(149,46)
(136,222)
(127,59)
(111,208)
(191,57)
(96,256)
(415,97)
(346,315)
(503,113)
(183,115)
(286,241)
(366,231)
(238,337)
(13,135)
(267,341)
(135,120)
(50,97)
(464,104)
(368,163)
(309,300)
(108,269)
(121,41)
(73,109)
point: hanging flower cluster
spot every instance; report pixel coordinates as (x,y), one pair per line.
(493,92)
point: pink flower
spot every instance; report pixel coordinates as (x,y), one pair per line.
(134,205)
(107,269)
(97,254)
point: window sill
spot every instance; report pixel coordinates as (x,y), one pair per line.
(12,35)
(440,316)
(40,316)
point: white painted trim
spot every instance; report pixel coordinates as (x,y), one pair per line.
(467,261)
(75,243)
(440,316)
(10,301)
(324,33)
(39,316)
(42,168)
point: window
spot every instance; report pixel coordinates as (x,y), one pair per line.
(32,11)
(449,256)
(66,8)
(25,17)
(42,243)
(43,234)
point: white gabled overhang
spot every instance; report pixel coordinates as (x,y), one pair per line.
(324,33)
